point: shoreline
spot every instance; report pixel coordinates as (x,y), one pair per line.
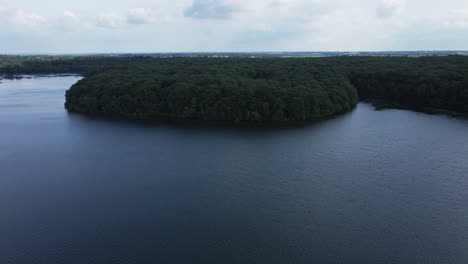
(208,123)
(380,104)
(32,76)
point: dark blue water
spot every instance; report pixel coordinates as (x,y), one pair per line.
(367,187)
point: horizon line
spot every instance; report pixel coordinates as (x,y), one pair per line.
(222,52)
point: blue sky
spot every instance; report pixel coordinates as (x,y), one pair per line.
(58,26)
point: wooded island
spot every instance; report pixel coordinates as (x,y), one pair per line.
(251,90)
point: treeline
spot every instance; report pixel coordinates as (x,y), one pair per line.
(434,82)
(84,65)
(251,89)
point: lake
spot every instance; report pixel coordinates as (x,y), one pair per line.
(366,187)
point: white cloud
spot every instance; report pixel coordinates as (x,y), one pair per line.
(456,19)
(25,20)
(110,21)
(390,8)
(263,27)
(70,15)
(69,21)
(140,16)
(211,9)
(233,25)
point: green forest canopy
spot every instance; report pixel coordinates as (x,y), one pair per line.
(250,89)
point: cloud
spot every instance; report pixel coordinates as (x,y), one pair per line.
(140,16)
(70,15)
(263,27)
(210,9)
(110,21)
(456,19)
(69,21)
(135,16)
(233,25)
(333,31)
(390,8)
(24,19)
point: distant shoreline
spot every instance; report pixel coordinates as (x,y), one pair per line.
(253,53)
(32,76)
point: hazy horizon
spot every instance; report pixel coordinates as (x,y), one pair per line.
(229,52)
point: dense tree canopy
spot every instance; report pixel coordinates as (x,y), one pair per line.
(250,89)
(239,92)
(436,82)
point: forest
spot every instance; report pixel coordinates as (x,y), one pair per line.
(252,90)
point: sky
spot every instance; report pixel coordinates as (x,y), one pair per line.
(97,26)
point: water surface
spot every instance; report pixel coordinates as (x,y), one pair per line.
(366,187)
